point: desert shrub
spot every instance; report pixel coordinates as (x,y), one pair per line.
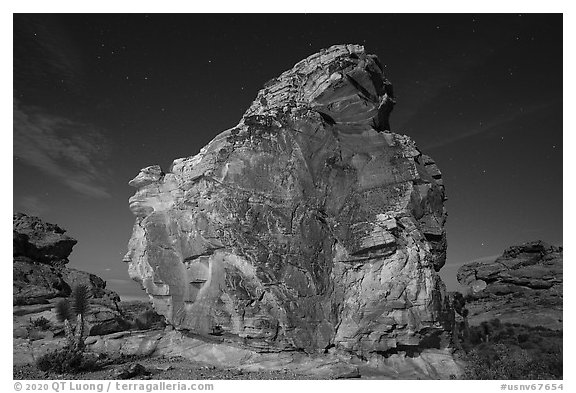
(40,323)
(495,362)
(67,360)
(511,351)
(505,362)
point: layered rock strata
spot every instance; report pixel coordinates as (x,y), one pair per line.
(308,225)
(40,252)
(524,285)
(40,277)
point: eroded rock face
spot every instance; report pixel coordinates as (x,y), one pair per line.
(40,241)
(523,286)
(41,251)
(308,225)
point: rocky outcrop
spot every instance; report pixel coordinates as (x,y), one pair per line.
(523,286)
(309,225)
(40,241)
(41,251)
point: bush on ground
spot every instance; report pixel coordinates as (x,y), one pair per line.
(66,360)
(496,350)
(40,323)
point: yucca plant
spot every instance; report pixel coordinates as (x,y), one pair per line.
(74,310)
(71,357)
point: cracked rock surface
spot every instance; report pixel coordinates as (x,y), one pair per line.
(309,225)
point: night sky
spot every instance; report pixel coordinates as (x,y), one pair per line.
(97,97)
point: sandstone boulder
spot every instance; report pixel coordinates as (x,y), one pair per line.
(307,226)
(41,251)
(41,241)
(74,277)
(40,277)
(34,283)
(524,285)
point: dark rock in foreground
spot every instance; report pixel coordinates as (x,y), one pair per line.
(309,225)
(41,241)
(40,277)
(524,285)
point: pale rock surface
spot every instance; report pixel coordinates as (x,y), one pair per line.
(222,353)
(307,226)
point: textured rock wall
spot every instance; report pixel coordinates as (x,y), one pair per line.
(40,253)
(308,225)
(524,285)
(40,241)
(41,279)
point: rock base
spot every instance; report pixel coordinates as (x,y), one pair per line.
(429,364)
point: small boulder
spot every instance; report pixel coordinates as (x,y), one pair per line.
(130,371)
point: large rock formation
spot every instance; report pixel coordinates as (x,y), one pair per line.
(40,277)
(522,286)
(306,226)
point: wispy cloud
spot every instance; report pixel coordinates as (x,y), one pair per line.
(69,151)
(32,205)
(487,127)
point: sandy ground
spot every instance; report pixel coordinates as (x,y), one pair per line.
(159,368)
